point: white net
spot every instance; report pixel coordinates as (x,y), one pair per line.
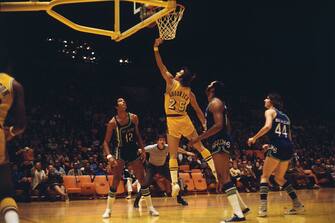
(167,25)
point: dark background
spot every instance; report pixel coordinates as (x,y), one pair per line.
(252,46)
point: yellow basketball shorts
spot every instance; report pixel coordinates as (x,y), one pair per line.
(180,126)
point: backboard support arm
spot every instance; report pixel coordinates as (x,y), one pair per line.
(115,34)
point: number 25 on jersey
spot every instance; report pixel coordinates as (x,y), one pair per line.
(180,107)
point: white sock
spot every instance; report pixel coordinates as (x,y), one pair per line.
(211,165)
(138,187)
(148,201)
(242,204)
(11,216)
(235,205)
(129,185)
(174,176)
(110,201)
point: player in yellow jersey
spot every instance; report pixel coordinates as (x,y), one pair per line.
(11,95)
(178,96)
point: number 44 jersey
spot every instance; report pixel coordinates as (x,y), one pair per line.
(280,145)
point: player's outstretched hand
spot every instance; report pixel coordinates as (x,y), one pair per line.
(190,154)
(251,141)
(8,136)
(143,155)
(112,162)
(265,147)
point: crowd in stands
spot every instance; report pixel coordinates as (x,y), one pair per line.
(65,138)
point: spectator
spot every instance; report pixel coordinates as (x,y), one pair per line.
(59,169)
(324,176)
(248,177)
(235,173)
(101,170)
(307,175)
(75,171)
(55,183)
(27,154)
(39,179)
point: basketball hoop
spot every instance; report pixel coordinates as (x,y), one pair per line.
(167,25)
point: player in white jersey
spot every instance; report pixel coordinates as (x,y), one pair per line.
(158,164)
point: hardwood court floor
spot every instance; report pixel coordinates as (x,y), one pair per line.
(319,206)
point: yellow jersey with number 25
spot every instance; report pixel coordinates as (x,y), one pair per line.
(177,98)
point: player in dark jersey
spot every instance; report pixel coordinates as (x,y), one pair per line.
(220,145)
(157,164)
(127,143)
(279,152)
(11,99)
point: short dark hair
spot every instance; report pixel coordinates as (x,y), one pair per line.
(218,87)
(187,77)
(276,100)
(159,136)
(115,102)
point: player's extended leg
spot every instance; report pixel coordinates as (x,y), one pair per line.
(8,207)
(138,168)
(164,171)
(221,161)
(270,164)
(204,153)
(117,174)
(173,144)
(298,207)
(151,171)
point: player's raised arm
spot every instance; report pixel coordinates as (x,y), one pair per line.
(183,151)
(197,109)
(164,71)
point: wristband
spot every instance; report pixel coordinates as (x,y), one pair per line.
(109,156)
(11,132)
